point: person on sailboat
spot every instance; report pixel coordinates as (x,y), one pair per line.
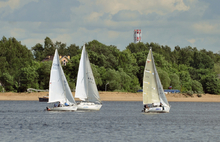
(146,107)
(161,105)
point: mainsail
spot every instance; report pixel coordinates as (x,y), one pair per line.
(152,88)
(59,90)
(86,89)
(150,91)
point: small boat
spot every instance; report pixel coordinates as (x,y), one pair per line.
(43,99)
(153,92)
(59,90)
(86,89)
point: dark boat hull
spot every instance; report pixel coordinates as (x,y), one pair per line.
(43,99)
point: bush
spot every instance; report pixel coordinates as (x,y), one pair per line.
(196,86)
(190,93)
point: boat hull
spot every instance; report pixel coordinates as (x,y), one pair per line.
(43,99)
(164,109)
(63,108)
(88,106)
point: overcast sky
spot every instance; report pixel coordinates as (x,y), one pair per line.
(193,23)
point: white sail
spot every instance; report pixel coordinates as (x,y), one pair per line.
(86,88)
(150,90)
(161,93)
(59,90)
(69,95)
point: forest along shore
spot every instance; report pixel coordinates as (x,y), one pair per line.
(113,96)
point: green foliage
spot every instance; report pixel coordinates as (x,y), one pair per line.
(184,55)
(102,55)
(38,52)
(28,78)
(175,82)
(187,69)
(113,78)
(71,68)
(164,78)
(197,74)
(217,67)
(135,48)
(189,93)
(128,62)
(13,57)
(185,80)
(44,74)
(211,84)
(7,82)
(140,60)
(161,62)
(1,88)
(183,67)
(196,86)
(202,61)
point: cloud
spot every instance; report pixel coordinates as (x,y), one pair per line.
(42,11)
(126,15)
(192,41)
(207,28)
(13,4)
(170,22)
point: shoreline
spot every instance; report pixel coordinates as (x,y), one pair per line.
(112,96)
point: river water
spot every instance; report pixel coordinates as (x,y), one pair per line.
(116,121)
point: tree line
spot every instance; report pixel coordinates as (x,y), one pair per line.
(186,69)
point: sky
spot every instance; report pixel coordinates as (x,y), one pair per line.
(183,23)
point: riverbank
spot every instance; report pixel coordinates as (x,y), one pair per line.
(113,96)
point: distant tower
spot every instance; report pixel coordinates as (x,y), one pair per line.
(137,35)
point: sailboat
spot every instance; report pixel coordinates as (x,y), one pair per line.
(153,92)
(86,89)
(59,90)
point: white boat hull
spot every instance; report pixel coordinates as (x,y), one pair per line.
(63,108)
(88,106)
(164,109)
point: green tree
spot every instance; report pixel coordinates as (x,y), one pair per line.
(7,82)
(38,52)
(137,47)
(164,78)
(14,57)
(185,55)
(102,55)
(185,80)
(49,47)
(175,82)
(44,74)
(202,61)
(196,86)
(28,77)
(211,84)
(217,68)
(113,78)
(73,50)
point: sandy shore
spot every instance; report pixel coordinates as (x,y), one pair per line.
(114,96)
